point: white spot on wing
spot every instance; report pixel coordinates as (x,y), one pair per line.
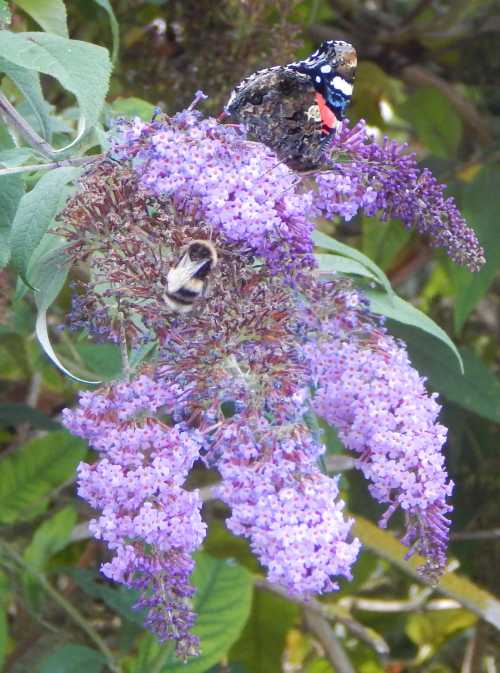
(313,113)
(340,84)
(326,68)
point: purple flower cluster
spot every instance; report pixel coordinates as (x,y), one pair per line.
(385,179)
(211,173)
(149,521)
(379,405)
(286,507)
(269,344)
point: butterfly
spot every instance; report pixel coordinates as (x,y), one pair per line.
(295,108)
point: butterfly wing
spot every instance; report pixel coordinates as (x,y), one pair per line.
(292,108)
(332,69)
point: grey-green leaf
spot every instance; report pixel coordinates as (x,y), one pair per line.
(324,241)
(35,213)
(396,308)
(80,67)
(11,192)
(115,28)
(28,83)
(30,474)
(48,274)
(339,264)
(49,14)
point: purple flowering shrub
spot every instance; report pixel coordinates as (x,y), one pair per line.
(233,382)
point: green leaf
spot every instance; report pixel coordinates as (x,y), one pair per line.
(435,120)
(119,599)
(133,107)
(382,241)
(73,659)
(103,359)
(47,270)
(222,544)
(115,28)
(5,15)
(324,241)
(11,193)
(49,14)
(477,390)
(17,156)
(35,213)
(398,309)
(49,538)
(320,666)
(222,602)
(28,83)
(260,646)
(48,273)
(338,264)
(431,630)
(80,67)
(30,474)
(15,414)
(455,586)
(4,625)
(480,204)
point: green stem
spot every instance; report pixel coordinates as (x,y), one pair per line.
(31,168)
(161,659)
(65,605)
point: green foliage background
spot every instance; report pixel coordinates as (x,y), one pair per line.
(428,74)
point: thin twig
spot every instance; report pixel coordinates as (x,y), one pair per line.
(334,651)
(489,664)
(472,658)
(32,401)
(331,612)
(394,606)
(124,349)
(31,168)
(477,535)
(65,605)
(416,11)
(29,133)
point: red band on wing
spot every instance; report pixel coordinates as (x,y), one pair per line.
(328,118)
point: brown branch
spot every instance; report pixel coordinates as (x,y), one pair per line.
(473,653)
(9,112)
(492,534)
(334,651)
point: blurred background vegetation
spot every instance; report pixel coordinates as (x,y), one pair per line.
(429,74)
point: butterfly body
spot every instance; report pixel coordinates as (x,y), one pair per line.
(294,108)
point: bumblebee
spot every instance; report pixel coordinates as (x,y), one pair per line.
(187,281)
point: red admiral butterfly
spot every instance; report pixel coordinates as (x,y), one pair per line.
(294,108)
